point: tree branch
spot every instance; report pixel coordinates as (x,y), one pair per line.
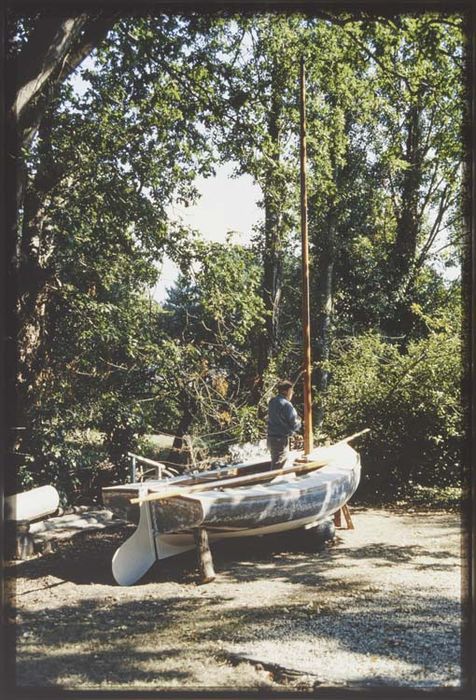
(444,202)
(44,52)
(94,33)
(55,49)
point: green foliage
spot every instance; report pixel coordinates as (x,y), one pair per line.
(248,426)
(111,159)
(164,99)
(430,497)
(212,314)
(76,466)
(412,404)
(381,198)
(227,283)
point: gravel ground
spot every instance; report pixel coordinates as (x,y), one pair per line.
(380,606)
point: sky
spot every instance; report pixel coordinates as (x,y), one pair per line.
(226,204)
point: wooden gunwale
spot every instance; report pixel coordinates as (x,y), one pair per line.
(183,489)
(232,482)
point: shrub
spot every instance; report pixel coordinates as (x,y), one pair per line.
(66,459)
(412,403)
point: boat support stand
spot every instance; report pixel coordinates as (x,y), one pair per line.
(204,555)
(348,519)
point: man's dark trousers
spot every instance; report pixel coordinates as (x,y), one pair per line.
(279,448)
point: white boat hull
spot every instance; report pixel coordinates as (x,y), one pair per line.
(165,528)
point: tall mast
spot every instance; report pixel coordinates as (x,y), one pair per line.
(306,320)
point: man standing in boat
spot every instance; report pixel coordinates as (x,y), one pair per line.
(283,421)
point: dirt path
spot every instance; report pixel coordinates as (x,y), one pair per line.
(379,607)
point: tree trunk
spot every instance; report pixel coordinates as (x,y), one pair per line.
(35,247)
(273,242)
(55,47)
(183,428)
(272,283)
(403,256)
(324,303)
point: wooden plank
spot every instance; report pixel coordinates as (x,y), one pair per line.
(353,437)
(214,476)
(226,483)
(222,474)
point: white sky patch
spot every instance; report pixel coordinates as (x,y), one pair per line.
(226,205)
(80,86)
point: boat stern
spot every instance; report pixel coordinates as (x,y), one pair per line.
(118,500)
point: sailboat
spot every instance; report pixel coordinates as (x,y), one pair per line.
(182,512)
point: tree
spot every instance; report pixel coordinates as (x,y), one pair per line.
(420,89)
(214,312)
(337,106)
(101,172)
(259,134)
(386,239)
(45,50)
(42,52)
(164,98)
(411,401)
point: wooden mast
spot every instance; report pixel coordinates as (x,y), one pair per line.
(306,321)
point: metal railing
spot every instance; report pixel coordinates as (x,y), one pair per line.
(161,470)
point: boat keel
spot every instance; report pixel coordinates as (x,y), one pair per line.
(135,557)
(145,546)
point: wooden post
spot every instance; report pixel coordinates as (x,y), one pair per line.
(205,561)
(133,469)
(306,321)
(189,443)
(347,516)
(344,511)
(23,546)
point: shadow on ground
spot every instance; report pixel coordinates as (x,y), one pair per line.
(145,634)
(148,639)
(86,559)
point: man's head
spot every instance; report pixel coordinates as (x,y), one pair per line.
(286,389)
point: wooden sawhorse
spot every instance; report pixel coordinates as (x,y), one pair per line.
(346,513)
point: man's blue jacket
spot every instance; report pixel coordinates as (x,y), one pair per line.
(283,419)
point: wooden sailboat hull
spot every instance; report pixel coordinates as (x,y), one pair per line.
(165,527)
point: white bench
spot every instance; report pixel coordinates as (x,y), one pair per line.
(21,509)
